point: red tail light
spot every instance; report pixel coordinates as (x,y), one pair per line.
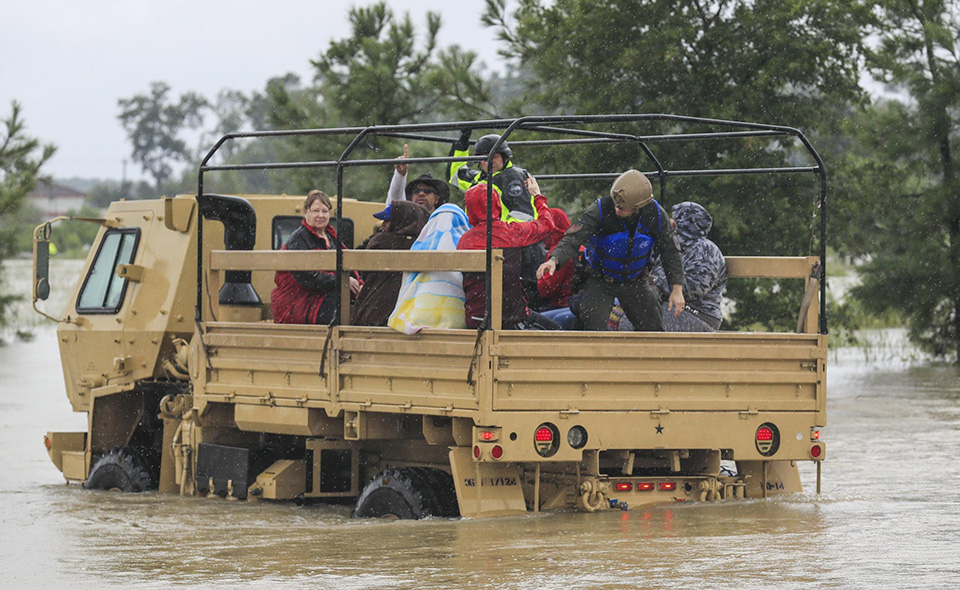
(47,443)
(546,440)
(496,452)
(476,452)
(668,486)
(767,439)
(816,451)
(623,486)
(644,486)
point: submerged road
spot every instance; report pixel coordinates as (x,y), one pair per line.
(889,514)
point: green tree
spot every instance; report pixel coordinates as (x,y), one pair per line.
(73,240)
(787,63)
(21,158)
(231,110)
(154,124)
(917,271)
(376,76)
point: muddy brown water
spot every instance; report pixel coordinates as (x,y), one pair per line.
(889,514)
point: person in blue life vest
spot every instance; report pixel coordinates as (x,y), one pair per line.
(622,232)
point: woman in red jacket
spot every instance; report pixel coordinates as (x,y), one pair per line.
(511,238)
(301,297)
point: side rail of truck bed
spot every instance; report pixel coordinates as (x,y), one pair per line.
(368,369)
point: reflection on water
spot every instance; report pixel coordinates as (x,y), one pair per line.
(888,515)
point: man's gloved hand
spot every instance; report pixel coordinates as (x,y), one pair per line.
(463,143)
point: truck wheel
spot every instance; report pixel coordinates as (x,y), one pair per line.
(408,493)
(119,470)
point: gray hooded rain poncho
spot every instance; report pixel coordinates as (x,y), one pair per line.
(705,270)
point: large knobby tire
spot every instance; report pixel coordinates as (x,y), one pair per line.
(122,470)
(408,493)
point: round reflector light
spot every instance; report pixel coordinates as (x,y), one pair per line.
(496,452)
(816,451)
(476,452)
(577,437)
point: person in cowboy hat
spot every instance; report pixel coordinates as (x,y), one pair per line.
(425,190)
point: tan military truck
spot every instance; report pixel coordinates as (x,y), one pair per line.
(189,387)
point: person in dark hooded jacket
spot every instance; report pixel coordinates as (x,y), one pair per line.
(511,237)
(402,222)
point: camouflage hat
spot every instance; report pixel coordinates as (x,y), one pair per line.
(631,190)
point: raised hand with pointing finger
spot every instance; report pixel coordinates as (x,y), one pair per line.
(402,168)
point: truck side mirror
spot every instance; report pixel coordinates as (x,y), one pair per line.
(41,262)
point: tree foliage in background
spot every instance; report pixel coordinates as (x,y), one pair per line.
(917,220)
(759,60)
(154,123)
(377,75)
(894,204)
(21,158)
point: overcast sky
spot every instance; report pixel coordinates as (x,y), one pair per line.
(68,61)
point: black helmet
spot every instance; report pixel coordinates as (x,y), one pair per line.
(486,143)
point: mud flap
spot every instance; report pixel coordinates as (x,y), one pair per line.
(168,483)
(769,478)
(486,489)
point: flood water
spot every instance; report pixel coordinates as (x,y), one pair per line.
(889,514)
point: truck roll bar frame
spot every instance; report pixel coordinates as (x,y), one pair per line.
(553,124)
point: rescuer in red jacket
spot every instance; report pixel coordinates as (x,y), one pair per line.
(511,238)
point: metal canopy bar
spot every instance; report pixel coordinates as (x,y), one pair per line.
(541,123)
(444,160)
(724,172)
(733,171)
(717,135)
(420,137)
(348,163)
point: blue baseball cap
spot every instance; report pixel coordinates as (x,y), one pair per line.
(385,214)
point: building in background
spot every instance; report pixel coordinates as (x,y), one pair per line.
(53,199)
